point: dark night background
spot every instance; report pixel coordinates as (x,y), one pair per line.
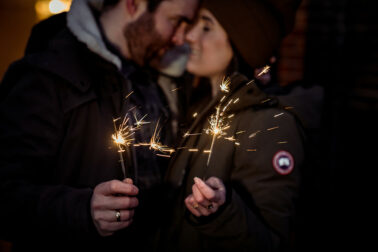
(334,45)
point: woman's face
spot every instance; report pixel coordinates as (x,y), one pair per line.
(211,51)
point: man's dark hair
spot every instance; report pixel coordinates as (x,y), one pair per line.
(152,4)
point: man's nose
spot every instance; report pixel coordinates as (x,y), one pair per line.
(179,35)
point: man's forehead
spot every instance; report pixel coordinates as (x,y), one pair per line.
(185,8)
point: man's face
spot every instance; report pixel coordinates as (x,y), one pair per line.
(152,34)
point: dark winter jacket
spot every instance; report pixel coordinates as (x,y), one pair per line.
(260,169)
(57,106)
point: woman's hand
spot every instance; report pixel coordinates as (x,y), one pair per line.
(206,197)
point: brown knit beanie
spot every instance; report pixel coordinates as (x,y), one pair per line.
(255,27)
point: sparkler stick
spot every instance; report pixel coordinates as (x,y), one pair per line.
(120,137)
(123,137)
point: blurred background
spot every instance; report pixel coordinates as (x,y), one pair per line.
(332,55)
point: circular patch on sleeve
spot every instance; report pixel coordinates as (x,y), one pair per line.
(283,162)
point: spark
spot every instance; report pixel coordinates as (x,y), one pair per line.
(231,139)
(282,142)
(250,150)
(273,128)
(266,100)
(264,71)
(225,85)
(193,150)
(230,116)
(254,134)
(127,96)
(193,134)
(139,123)
(175,89)
(280,114)
(132,108)
(240,132)
(288,107)
(195,115)
(236,101)
(250,82)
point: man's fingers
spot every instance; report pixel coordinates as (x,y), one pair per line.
(192,205)
(120,202)
(108,227)
(110,215)
(215,183)
(117,187)
(208,192)
(199,197)
(128,181)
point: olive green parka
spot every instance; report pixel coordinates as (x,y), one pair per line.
(260,205)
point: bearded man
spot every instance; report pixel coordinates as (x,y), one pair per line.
(62,185)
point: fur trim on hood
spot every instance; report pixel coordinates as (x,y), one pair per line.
(82,23)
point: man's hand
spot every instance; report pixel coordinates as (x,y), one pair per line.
(206,197)
(110,197)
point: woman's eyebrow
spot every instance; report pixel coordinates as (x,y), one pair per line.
(206,18)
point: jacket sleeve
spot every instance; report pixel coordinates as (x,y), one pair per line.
(31,128)
(260,211)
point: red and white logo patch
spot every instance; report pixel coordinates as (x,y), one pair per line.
(283,162)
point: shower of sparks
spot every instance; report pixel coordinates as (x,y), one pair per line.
(273,128)
(225,85)
(122,137)
(264,71)
(280,114)
(217,127)
(155,145)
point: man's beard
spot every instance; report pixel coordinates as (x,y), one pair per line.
(143,40)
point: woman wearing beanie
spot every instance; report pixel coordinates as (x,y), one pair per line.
(242,197)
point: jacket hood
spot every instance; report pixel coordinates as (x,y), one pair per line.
(82,23)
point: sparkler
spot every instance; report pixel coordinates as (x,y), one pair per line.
(155,144)
(225,85)
(123,137)
(218,123)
